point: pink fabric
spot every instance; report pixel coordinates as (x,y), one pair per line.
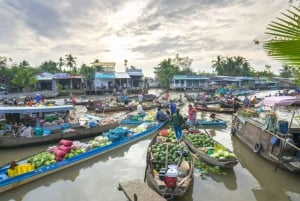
(278,101)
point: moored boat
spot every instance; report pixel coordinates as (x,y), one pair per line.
(215,108)
(209,150)
(275,138)
(67,154)
(169,166)
(48,131)
(205,123)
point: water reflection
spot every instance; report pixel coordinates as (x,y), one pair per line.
(271,185)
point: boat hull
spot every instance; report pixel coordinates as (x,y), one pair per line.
(159,185)
(260,141)
(22,179)
(78,133)
(222,163)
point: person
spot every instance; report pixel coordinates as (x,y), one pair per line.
(177,121)
(253,100)
(167,96)
(246,102)
(168,114)
(236,104)
(26,131)
(37,98)
(172,107)
(73,100)
(203,100)
(160,115)
(140,108)
(192,113)
(143,93)
(140,97)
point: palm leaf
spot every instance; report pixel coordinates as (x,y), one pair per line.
(285,45)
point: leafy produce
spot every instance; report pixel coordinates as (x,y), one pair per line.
(42,159)
(208,169)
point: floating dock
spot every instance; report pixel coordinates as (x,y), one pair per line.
(137,190)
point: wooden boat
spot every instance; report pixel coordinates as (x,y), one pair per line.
(77,132)
(135,118)
(169,167)
(54,133)
(211,108)
(100,108)
(31,173)
(209,150)
(211,123)
(275,140)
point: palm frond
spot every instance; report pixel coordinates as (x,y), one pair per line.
(285,45)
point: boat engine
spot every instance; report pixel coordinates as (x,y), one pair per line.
(171,178)
(288,150)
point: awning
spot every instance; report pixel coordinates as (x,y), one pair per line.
(278,101)
(120,75)
(27,109)
(104,76)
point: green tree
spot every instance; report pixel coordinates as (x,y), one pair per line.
(232,66)
(87,73)
(70,62)
(286,71)
(49,66)
(24,78)
(60,64)
(165,72)
(24,64)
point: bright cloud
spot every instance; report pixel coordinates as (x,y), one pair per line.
(143,32)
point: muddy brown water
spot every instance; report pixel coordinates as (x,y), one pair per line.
(253,179)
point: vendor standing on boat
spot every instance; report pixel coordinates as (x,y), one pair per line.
(246,102)
(177,122)
(172,107)
(140,108)
(192,113)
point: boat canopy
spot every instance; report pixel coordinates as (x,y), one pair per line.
(27,109)
(278,101)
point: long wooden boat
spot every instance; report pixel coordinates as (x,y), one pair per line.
(218,109)
(209,150)
(211,123)
(52,133)
(278,141)
(119,108)
(78,132)
(169,167)
(31,173)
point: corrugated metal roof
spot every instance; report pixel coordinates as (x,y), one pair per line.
(104,75)
(136,73)
(189,77)
(119,75)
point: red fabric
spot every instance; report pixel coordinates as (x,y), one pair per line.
(192,113)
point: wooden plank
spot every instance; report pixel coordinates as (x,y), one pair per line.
(139,190)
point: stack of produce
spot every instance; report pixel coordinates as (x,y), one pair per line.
(116,134)
(42,159)
(99,141)
(150,117)
(161,151)
(207,145)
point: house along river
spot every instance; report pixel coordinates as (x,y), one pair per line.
(253,179)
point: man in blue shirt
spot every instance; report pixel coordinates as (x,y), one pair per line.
(172,107)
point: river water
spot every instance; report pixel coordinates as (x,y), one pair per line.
(253,179)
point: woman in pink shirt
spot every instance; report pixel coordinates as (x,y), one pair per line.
(192,114)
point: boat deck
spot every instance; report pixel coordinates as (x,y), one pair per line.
(138,190)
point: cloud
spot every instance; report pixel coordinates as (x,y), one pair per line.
(143,32)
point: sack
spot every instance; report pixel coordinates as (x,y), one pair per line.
(67,143)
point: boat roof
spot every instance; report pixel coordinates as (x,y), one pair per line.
(279,101)
(27,109)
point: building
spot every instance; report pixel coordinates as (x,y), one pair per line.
(189,82)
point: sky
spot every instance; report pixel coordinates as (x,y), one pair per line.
(144,32)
